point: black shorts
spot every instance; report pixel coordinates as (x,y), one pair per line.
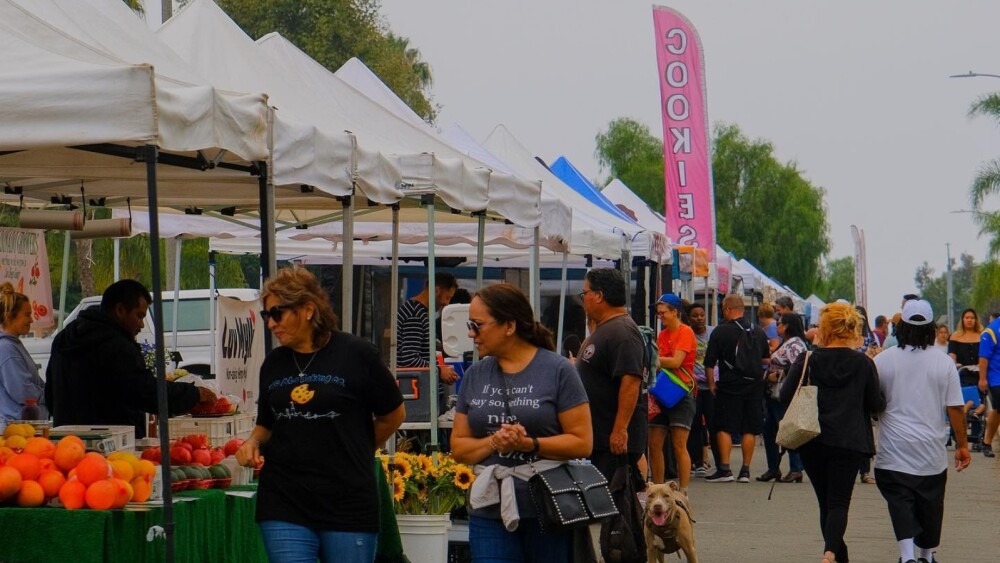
(739,414)
(995,397)
(681,414)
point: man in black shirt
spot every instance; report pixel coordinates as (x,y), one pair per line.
(739,396)
(97,374)
(610,365)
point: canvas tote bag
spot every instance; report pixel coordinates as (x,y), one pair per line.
(801,421)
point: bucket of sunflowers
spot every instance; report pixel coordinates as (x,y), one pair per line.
(425,489)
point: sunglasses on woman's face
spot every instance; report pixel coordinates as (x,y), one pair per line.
(274,313)
(476,327)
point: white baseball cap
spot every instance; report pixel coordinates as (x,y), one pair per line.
(917,312)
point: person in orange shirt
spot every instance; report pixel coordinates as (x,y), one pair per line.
(678,349)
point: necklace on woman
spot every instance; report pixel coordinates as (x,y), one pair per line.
(302,371)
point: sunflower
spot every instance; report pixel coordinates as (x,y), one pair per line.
(404,467)
(426,463)
(463,477)
(398,487)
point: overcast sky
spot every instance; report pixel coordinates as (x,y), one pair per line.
(857,93)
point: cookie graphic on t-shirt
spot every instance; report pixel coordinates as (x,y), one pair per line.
(302,394)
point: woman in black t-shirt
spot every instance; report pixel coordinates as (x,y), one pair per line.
(963,346)
(326,402)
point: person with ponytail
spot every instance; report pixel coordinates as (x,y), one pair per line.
(19,379)
(524,407)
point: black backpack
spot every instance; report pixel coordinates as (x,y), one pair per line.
(650,355)
(622,536)
(747,357)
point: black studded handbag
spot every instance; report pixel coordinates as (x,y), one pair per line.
(570,496)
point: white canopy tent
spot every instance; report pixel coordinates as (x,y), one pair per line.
(92,103)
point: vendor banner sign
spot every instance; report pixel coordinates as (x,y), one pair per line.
(239,349)
(690,204)
(24,263)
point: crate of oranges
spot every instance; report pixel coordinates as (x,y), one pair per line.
(63,473)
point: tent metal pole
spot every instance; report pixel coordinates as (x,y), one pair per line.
(562,304)
(213,308)
(394,304)
(63,282)
(480,256)
(177,286)
(118,259)
(268,263)
(347,265)
(480,250)
(535,273)
(428,200)
(163,412)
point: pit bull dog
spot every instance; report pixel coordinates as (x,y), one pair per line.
(667,524)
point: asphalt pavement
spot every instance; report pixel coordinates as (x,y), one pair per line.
(736,521)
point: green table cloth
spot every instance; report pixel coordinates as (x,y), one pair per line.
(209,525)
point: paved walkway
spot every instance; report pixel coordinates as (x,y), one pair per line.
(736,522)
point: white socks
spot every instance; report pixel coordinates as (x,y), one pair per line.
(926,553)
(906,549)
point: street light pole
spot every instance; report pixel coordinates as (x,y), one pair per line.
(951,288)
(971,74)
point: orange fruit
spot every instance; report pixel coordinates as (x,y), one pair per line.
(92,468)
(10,482)
(141,489)
(16,442)
(51,481)
(125,492)
(71,439)
(147,468)
(46,464)
(122,469)
(101,495)
(31,494)
(6,453)
(71,494)
(27,465)
(41,447)
(67,455)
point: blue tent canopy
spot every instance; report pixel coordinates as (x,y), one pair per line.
(573,178)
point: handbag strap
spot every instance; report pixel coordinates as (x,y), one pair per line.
(805,366)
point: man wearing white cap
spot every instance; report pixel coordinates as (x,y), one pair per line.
(911,466)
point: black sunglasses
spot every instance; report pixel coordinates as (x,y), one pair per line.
(475,327)
(274,313)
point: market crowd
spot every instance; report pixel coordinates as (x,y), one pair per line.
(327,400)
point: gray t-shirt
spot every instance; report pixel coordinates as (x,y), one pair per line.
(547,386)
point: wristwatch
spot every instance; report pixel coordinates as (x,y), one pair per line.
(534,445)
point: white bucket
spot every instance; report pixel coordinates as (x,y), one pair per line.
(424,536)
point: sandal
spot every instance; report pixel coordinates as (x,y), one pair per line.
(867,479)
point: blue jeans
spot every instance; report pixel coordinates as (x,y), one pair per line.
(285,542)
(490,542)
(774,411)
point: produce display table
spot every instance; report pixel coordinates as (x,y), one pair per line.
(209,525)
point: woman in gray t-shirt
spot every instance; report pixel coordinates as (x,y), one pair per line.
(521,403)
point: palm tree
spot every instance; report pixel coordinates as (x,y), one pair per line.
(421,69)
(987,180)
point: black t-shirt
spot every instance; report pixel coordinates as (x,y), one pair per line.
(319,468)
(613,350)
(722,352)
(966,353)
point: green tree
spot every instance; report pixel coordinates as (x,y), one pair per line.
(934,288)
(987,179)
(633,155)
(766,211)
(333,31)
(986,291)
(837,280)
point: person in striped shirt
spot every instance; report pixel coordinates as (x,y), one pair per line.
(413,326)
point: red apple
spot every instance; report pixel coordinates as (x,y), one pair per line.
(202,456)
(180,456)
(217,456)
(152,454)
(231,446)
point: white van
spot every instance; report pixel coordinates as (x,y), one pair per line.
(194,337)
